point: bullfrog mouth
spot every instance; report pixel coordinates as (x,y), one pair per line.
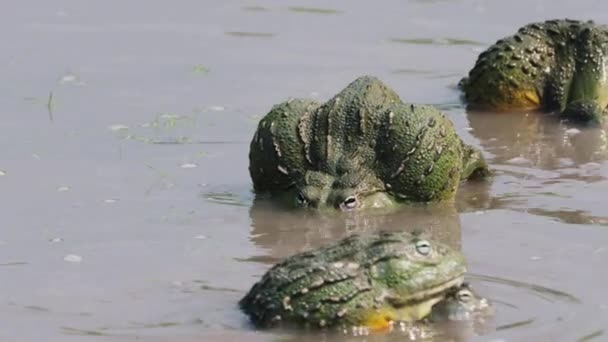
(435,292)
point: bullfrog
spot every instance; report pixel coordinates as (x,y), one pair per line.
(460,315)
(461,304)
(364,280)
(554,66)
(363,148)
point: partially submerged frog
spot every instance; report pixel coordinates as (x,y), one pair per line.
(367,281)
(461,314)
(556,65)
(461,304)
(362,148)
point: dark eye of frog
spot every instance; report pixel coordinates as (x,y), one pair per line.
(464,295)
(349,203)
(423,247)
(301,200)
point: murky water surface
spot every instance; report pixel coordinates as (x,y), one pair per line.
(125,196)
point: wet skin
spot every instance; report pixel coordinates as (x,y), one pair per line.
(461,304)
(364,280)
(364,148)
(556,66)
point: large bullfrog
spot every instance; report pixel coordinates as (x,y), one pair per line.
(556,65)
(362,148)
(366,281)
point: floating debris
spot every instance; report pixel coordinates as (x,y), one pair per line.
(188,166)
(71,78)
(225,197)
(56,240)
(160,325)
(14,263)
(110,201)
(440,41)
(2,173)
(591,336)
(75,331)
(200,69)
(315,10)
(68,79)
(255,8)
(50,105)
(73,258)
(412,71)
(200,237)
(250,34)
(63,188)
(515,324)
(118,127)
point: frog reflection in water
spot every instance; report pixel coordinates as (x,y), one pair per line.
(280,233)
(538,140)
(364,148)
(367,280)
(525,146)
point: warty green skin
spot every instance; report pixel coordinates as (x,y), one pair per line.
(342,284)
(362,148)
(561,63)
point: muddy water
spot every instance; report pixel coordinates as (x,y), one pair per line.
(124,192)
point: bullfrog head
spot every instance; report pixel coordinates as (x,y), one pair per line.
(587,96)
(350,189)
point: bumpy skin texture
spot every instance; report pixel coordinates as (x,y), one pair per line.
(362,148)
(556,65)
(363,280)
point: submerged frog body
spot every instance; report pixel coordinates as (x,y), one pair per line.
(461,304)
(556,65)
(459,316)
(366,281)
(362,148)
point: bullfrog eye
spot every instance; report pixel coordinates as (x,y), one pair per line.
(301,200)
(350,202)
(423,247)
(464,295)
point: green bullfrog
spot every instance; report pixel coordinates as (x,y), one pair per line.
(369,281)
(555,66)
(364,148)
